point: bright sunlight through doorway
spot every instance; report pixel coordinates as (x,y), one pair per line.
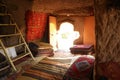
(66,36)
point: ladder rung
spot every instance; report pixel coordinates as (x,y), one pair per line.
(7,24)
(16,45)
(4,68)
(20,56)
(16,34)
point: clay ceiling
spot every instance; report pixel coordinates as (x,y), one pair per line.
(69,7)
(76,8)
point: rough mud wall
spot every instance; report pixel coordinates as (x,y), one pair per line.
(107,15)
(78,8)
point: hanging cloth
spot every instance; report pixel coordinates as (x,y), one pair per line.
(36,23)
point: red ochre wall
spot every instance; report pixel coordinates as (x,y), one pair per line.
(89,30)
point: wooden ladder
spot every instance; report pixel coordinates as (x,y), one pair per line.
(12,30)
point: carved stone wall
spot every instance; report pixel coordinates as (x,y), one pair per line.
(107,39)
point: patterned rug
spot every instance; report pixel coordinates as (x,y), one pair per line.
(46,69)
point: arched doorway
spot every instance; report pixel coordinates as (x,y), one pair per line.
(66,36)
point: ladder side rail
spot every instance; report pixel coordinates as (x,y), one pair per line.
(8,57)
(25,42)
